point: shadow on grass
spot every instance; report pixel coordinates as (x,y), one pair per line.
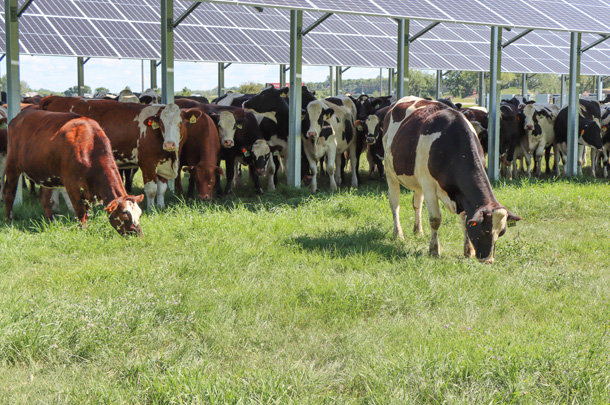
(358,242)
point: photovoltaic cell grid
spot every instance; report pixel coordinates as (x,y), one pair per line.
(217,32)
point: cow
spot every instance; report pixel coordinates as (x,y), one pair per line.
(479,118)
(200,99)
(66,150)
(367,105)
(147,137)
(149,96)
(238,99)
(539,128)
(199,156)
(372,128)
(3,146)
(589,130)
(330,132)
(127,96)
(433,150)
(605,154)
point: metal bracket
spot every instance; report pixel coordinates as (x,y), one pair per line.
(315,24)
(599,41)
(287,68)
(510,41)
(85,61)
(227,65)
(186,13)
(24,7)
(2,57)
(259,9)
(422,32)
(346,69)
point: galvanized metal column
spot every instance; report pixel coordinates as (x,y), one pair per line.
(167,51)
(563,91)
(153,74)
(573,104)
(402,71)
(439,84)
(282,76)
(493,153)
(13,88)
(221,79)
(600,88)
(524,85)
(381,81)
(390,81)
(482,98)
(338,80)
(331,80)
(296,67)
(80,73)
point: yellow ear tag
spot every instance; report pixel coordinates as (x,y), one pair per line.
(155,125)
(283,95)
(360,128)
(239,126)
(276,153)
(193,119)
(582,132)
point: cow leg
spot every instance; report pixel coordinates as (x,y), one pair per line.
(418,200)
(593,161)
(556,159)
(190,192)
(255,179)
(394,197)
(371,160)
(538,162)
(10,187)
(178,183)
(161,189)
(333,168)
(2,171)
(528,161)
(237,177)
(270,172)
(547,158)
(581,153)
(355,162)
(32,188)
(230,164)
(49,198)
(150,189)
(380,168)
(434,214)
(468,248)
(66,198)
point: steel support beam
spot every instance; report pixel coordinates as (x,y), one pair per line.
(221,79)
(80,73)
(282,76)
(295,97)
(495,63)
(338,80)
(423,31)
(600,88)
(186,13)
(13,84)
(153,74)
(316,23)
(167,51)
(563,91)
(439,84)
(24,7)
(591,45)
(402,70)
(573,104)
(482,97)
(390,81)
(381,81)
(524,85)
(331,80)
(513,39)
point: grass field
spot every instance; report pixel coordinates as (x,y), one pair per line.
(300,298)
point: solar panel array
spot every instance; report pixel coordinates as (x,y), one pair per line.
(217,32)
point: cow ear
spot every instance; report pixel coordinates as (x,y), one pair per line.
(476,219)
(284,92)
(303,114)
(219,170)
(359,125)
(239,124)
(513,217)
(136,198)
(327,113)
(112,206)
(152,122)
(192,115)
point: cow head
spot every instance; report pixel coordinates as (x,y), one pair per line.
(124,214)
(171,123)
(205,178)
(590,133)
(267,100)
(257,155)
(228,124)
(531,120)
(485,227)
(373,129)
(319,117)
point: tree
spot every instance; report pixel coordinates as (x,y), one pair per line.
(250,87)
(3,85)
(461,84)
(97,90)
(73,91)
(185,92)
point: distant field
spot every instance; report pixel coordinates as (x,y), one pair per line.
(300,298)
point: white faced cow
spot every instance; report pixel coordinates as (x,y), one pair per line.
(433,150)
(330,132)
(539,126)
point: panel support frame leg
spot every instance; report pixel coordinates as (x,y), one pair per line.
(573,104)
(295,97)
(495,64)
(402,69)
(167,51)
(439,84)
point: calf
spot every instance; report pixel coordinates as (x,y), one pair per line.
(589,130)
(66,150)
(373,133)
(433,150)
(539,127)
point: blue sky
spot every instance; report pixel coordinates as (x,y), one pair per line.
(59,73)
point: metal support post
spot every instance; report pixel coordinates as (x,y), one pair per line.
(439,84)
(402,71)
(153,74)
(524,86)
(600,88)
(380,82)
(80,72)
(295,97)
(563,91)
(282,76)
(221,79)
(390,81)
(13,88)
(338,80)
(482,89)
(167,51)
(331,81)
(493,153)
(573,104)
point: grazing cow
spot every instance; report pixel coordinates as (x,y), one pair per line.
(330,133)
(150,96)
(433,150)
(148,137)
(539,128)
(127,96)
(589,130)
(373,133)
(67,150)
(199,155)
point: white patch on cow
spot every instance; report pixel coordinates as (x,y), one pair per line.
(167,168)
(536,144)
(260,148)
(479,108)
(371,123)
(161,189)
(477,127)
(150,190)
(127,96)
(171,116)
(3,112)
(66,197)
(226,126)
(228,100)
(150,111)
(153,94)
(260,116)
(349,104)
(134,210)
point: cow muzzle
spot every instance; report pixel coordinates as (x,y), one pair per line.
(488,260)
(370,140)
(529,127)
(170,146)
(227,143)
(205,196)
(312,135)
(259,172)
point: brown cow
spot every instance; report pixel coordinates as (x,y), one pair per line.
(141,136)
(200,156)
(67,150)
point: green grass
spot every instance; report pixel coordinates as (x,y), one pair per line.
(299,298)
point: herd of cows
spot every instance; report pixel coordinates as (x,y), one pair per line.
(88,148)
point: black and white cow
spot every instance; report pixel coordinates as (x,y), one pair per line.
(372,128)
(330,132)
(589,130)
(433,150)
(539,128)
(604,155)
